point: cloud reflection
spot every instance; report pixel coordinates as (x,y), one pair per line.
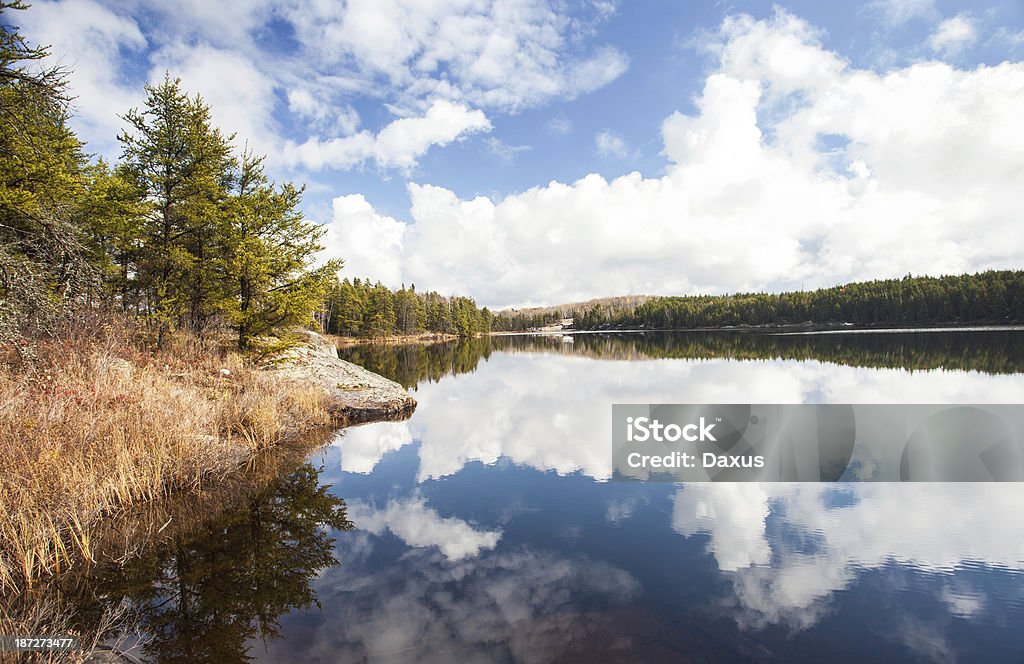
(785,574)
(421,526)
(553,413)
(517,605)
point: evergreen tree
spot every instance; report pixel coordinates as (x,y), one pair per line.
(349,309)
(112,221)
(268,247)
(379,314)
(182,166)
(43,262)
(407,319)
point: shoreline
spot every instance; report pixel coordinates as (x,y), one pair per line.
(390,340)
(98,428)
(135,434)
(790,329)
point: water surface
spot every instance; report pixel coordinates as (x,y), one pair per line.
(485,528)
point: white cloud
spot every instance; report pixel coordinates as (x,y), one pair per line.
(379,239)
(735,513)
(503,54)
(609,144)
(87,38)
(953,34)
(559,125)
(362,447)
(398,145)
(241,96)
(421,610)
(332,116)
(503,150)
(1007,38)
(622,510)
(220,24)
(923,180)
(420,526)
(436,66)
(963,603)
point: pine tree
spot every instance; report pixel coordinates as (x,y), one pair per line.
(407,319)
(379,313)
(181,165)
(268,247)
(349,310)
(43,262)
(112,221)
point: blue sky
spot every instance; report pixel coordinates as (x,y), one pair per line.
(529,152)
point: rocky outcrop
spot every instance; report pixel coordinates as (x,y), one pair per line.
(358,395)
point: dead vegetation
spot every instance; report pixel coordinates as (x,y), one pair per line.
(92,423)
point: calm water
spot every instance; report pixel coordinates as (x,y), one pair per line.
(485,528)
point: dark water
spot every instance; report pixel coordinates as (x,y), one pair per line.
(485,528)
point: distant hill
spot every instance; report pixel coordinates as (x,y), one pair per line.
(984,298)
(530,318)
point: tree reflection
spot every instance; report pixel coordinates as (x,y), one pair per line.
(202,598)
(990,351)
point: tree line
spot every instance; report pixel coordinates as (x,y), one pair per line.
(185,232)
(984,298)
(532,318)
(361,308)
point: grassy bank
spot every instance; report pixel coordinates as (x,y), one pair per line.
(92,425)
(100,603)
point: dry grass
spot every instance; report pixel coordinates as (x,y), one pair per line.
(92,425)
(47,615)
(50,607)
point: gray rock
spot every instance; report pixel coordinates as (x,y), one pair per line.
(358,395)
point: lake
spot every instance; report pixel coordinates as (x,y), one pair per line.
(486,528)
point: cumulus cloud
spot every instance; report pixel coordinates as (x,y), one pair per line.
(87,38)
(241,96)
(797,168)
(420,526)
(379,238)
(609,144)
(364,446)
(953,34)
(398,145)
(276,69)
(736,514)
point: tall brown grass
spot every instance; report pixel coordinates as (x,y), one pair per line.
(51,606)
(92,423)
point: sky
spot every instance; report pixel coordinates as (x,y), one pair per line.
(525,152)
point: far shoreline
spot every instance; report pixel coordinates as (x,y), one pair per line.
(430,338)
(790,330)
